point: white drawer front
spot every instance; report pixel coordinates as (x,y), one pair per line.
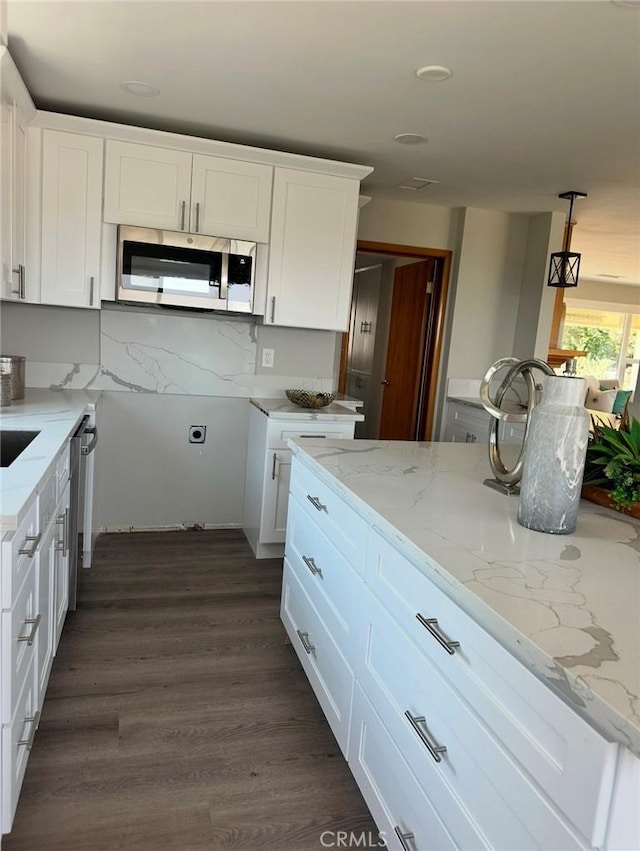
(327,578)
(15,565)
(20,627)
(341,525)
(511,812)
(394,796)
(569,760)
(278,433)
(16,743)
(328,672)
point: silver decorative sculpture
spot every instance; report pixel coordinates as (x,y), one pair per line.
(506,480)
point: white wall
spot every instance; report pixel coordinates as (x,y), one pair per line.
(406,223)
(487,291)
(161,372)
(535,308)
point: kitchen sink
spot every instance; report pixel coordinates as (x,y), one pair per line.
(13,443)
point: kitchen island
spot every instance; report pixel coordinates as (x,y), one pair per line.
(564,608)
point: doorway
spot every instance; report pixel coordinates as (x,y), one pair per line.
(391,353)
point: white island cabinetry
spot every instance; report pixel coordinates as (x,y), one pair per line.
(451,728)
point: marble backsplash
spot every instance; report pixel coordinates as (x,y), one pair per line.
(169,354)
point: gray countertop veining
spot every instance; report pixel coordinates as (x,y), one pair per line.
(283,409)
(568,607)
(55,414)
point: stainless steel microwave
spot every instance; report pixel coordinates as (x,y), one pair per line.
(176,269)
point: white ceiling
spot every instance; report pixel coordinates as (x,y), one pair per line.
(544,97)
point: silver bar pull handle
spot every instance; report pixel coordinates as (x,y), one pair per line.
(30,551)
(65,532)
(61,520)
(20,292)
(431,625)
(404,838)
(273,309)
(273,466)
(304,638)
(88,449)
(197,216)
(313,435)
(28,742)
(315,501)
(434,749)
(35,623)
(313,567)
(183,208)
(91,288)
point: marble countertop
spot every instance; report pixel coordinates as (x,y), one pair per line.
(566,606)
(55,414)
(283,409)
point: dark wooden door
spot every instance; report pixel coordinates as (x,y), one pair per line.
(406,351)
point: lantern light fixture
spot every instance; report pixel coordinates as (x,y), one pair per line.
(565,265)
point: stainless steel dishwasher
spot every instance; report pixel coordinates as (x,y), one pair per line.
(78,450)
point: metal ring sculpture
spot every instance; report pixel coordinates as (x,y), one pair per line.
(511,477)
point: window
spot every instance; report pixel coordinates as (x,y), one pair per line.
(611,340)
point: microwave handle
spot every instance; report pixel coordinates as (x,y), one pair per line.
(224,276)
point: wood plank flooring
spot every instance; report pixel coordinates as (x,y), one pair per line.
(177,716)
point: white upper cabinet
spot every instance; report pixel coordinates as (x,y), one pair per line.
(16,109)
(147,186)
(71,219)
(231,198)
(313,239)
(175,190)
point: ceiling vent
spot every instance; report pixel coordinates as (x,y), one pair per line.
(415,183)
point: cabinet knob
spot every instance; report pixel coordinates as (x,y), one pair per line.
(385,382)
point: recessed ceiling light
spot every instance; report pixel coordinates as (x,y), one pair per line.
(410,139)
(434,73)
(139,89)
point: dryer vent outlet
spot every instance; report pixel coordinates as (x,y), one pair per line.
(197,434)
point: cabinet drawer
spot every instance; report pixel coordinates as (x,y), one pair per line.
(329,581)
(18,553)
(346,529)
(330,676)
(394,796)
(19,642)
(17,738)
(278,433)
(563,754)
(509,810)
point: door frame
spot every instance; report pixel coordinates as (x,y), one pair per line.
(441,290)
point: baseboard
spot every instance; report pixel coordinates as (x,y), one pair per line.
(174,527)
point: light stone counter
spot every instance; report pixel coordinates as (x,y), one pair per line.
(283,409)
(568,607)
(55,414)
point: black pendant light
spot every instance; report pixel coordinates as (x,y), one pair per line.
(565,264)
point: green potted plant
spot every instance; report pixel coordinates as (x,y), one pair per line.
(612,469)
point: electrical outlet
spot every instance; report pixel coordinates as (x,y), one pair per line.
(197,434)
(268,358)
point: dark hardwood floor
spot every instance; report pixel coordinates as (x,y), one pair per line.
(177,715)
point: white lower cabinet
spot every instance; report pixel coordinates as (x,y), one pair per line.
(453,742)
(268,472)
(470,424)
(34,592)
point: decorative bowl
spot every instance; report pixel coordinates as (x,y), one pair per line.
(310,398)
